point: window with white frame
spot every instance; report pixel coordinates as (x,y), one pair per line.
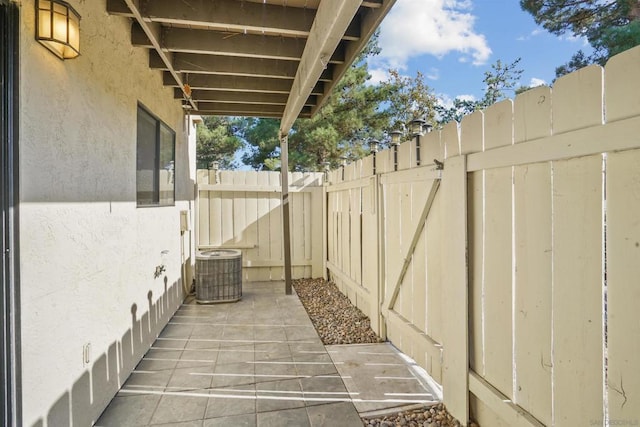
(155,161)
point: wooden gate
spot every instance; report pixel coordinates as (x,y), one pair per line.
(242,210)
(511,276)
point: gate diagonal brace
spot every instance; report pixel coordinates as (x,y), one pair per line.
(435,184)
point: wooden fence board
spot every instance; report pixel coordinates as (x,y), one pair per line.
(577,291)
(393,261)
(476,269)
(450,138)
(577,100)
(532,311)
(455,377)
(622,99)
(498,125)
(498,349)
(434,279)
(318,234)
(370,252)
(430,148)
(472,133)
(532,114)
(623,289)
(296,220)
(251,221)
(227,210)
(406,155)
(407,228)
(355,242)
(275,228)
(264,227)
(203,217)
(239,208)
(215,211)
(418,298)
(345,235)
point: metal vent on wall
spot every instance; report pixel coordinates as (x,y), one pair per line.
(218,276)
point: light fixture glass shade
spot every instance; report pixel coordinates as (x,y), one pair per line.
(374,145)
(396,135)
(58,28)
(416,127)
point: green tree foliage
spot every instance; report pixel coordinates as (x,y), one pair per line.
(610,26)
(350,117)
(215,141)
(409,98)
(500,82)
(502,78)
(358,111)
(263,144)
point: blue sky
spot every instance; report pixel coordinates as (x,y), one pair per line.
(453,42)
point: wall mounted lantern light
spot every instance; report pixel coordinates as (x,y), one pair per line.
(58,28)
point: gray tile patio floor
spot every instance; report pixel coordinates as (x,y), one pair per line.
(259,362)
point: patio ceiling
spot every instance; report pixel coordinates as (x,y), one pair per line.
(263,58)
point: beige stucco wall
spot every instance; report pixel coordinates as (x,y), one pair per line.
(87,253)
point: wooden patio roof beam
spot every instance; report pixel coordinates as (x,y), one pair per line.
(264,115)
(203,82)
(230,15)
(153,33)
(204,96)
(225,109)
(370,21)
(332,20)
(229,66)
(225,44)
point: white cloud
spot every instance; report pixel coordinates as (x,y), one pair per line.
(378,75)
(534,33)
(435,27)
(447,101)
(433,74)
(465,97)
(536,82)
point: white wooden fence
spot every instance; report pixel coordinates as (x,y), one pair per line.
(511,276)
(242,210)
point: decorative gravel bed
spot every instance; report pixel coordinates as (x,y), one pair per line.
(436,416)
(337,321)
(334,317)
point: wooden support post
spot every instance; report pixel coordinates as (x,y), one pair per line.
(455,319)
(284,172)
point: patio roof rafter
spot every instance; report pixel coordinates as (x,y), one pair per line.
(201,85)
(233,16)
(231,66)
(297,48)
(226,44)
(154,33)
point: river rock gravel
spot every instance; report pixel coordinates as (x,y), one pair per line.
(436,416)
(337,321)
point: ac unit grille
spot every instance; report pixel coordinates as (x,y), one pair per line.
(218,276)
